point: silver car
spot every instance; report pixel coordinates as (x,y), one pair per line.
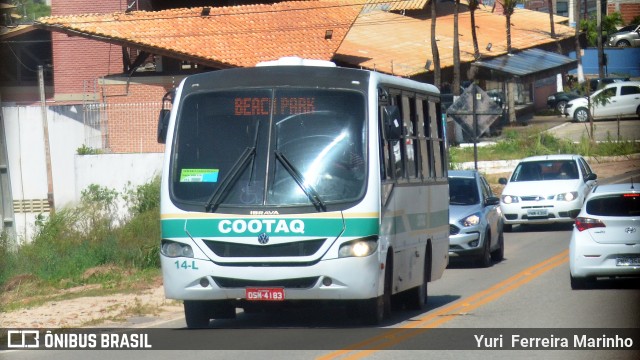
(625,38)
(605,241)
(475,220)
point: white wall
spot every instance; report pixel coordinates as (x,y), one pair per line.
(72,173)
(115,171)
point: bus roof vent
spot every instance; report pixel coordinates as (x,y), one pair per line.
(296,61)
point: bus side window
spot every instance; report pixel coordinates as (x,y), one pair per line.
(397,150)
(423,154)
(428,133)
(436,137)
(410,141)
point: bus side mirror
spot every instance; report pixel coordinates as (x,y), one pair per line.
(392,122)
(163,118)
(163,125)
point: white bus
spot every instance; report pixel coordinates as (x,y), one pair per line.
(286,184)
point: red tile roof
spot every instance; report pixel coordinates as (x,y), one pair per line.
(241,36)
(235,36)
(402,44)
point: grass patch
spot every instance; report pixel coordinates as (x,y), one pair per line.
(90,244)
(530,142)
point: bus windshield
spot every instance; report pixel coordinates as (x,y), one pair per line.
(269,147)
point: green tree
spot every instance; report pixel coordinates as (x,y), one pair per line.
(609,23)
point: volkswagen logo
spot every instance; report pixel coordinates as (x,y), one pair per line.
(630,230)
(264,238)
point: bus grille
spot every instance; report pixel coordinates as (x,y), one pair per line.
(234,250)
(300,283)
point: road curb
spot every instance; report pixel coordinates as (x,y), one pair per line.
(507,166)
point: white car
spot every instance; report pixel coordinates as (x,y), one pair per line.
(606,235)
(622,100)
(546,189)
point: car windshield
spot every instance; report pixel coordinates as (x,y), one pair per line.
(463,191)
(625,205)
(270,147)
(546,170)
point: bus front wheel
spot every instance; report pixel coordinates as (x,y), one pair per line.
(198,313)
(373,311)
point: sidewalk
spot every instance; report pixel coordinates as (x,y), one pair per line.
(604,130)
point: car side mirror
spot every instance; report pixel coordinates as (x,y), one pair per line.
(592,176)
(491,200)
(502,181)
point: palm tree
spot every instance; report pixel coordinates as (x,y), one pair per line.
(456,51)
(473,6)
(509,6)
(553,28)
(434,46)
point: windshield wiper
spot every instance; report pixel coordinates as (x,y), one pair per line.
(311,193)
(222,190)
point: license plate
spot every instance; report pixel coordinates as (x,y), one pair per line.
(537,212)
(264,294)
(628,261)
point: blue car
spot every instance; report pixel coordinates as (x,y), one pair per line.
(475,219)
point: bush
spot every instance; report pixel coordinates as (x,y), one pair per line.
(72,240)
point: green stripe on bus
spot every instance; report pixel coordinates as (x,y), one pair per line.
(173,228)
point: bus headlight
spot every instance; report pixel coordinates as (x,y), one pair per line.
(358,248)
(176,249)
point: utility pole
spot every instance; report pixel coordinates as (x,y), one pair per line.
(47,148)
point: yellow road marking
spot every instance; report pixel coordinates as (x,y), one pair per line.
(446,314)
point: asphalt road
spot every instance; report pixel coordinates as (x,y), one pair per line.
(529,289)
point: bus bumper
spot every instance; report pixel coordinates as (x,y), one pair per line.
(334,279)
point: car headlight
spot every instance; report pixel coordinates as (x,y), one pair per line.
(508,199)
(471,220)
(176,249)
(568,196)
(551,98)
(359,247)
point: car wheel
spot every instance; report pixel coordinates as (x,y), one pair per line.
(560,105)
(623,43)
(581,115)
(485,258)
(578,283)
(498,254)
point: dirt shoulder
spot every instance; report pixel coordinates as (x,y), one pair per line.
(138,309)
(148,305)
